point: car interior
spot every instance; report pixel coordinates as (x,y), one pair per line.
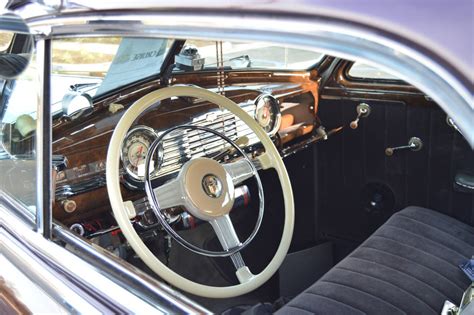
(382,180)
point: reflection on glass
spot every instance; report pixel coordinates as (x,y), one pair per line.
(19,101)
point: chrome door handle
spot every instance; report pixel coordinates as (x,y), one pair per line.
(414,144)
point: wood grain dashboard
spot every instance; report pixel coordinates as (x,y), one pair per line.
(84,140)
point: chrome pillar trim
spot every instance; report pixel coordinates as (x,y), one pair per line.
(40,49)
(43,142)
(137,282)
(408,60)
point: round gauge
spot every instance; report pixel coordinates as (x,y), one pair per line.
(135,150)
(268,113)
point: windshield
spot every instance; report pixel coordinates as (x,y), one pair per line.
(96,66)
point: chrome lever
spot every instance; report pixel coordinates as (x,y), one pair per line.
(363,110)
(414,144)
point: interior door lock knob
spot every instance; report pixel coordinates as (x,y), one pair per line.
(363,110)
(414,144)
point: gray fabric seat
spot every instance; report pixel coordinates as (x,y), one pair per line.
(408,266)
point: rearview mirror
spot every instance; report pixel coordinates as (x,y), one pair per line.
(16,45)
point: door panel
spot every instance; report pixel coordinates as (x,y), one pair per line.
(354,170)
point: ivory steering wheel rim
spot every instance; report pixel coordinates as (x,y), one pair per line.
(270,159)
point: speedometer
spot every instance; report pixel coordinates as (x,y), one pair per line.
(267,114)
(135,150)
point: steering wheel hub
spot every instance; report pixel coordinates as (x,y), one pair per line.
(209,189)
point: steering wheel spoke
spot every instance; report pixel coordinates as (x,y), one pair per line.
(225,232)
(169,194)
(240,170)
(265,161)
(244,274)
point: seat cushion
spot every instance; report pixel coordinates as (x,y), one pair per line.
(409,265)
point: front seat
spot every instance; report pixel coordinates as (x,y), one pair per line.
(410,265)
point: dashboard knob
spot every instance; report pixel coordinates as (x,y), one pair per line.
(69,205)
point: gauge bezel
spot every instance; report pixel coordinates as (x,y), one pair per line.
(276,104)
(150,132)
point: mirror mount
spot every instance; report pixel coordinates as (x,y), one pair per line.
(76,104)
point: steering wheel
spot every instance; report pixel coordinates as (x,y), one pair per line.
(206,189)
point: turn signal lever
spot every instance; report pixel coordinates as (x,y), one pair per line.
(363,110)
(414,144)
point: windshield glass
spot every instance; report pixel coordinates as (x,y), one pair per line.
(96,66)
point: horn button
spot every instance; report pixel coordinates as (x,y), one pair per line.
(208,187)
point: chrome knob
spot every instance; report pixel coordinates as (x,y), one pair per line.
(414,144)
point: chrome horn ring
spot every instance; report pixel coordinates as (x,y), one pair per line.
(161,217)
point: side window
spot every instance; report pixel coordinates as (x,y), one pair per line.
(201,55)
(361,70)
(18,105)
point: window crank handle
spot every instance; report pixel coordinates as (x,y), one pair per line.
(363,110)
(414,144)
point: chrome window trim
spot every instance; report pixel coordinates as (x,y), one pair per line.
(27,251)
(148,288)
(328,35)
(22,212)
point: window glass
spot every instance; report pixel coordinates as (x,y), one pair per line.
(198,54)
(18,105)
(363,71)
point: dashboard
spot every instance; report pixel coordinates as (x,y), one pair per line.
(284,104)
